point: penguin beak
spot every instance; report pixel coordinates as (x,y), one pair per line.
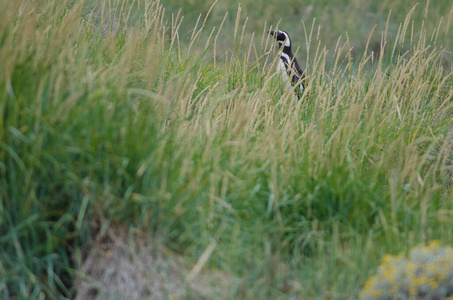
(271,32)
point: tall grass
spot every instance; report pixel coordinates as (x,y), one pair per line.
(109,115)
(352,19)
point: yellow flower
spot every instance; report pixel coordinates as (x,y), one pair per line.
(434,244)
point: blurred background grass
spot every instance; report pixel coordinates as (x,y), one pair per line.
(353,19)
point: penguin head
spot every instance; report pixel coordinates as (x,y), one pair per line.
(282,37)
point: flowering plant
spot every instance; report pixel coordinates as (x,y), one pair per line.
(426,274)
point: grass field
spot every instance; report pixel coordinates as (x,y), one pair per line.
(127,115)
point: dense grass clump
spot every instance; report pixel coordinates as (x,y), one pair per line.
(111,114)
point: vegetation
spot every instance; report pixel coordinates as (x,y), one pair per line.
(427,274)
(111,113)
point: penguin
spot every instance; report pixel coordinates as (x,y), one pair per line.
(288,63)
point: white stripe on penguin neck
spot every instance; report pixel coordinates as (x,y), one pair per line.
(284,63)
(287,41)
(285,57)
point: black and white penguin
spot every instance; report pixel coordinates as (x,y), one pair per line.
(288,63)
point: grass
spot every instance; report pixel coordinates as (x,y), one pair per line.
(110,113)
(348,19)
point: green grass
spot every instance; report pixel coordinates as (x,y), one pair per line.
(111,112)
(351,20)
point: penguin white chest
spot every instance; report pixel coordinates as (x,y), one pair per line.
(283,62)
(281,68)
